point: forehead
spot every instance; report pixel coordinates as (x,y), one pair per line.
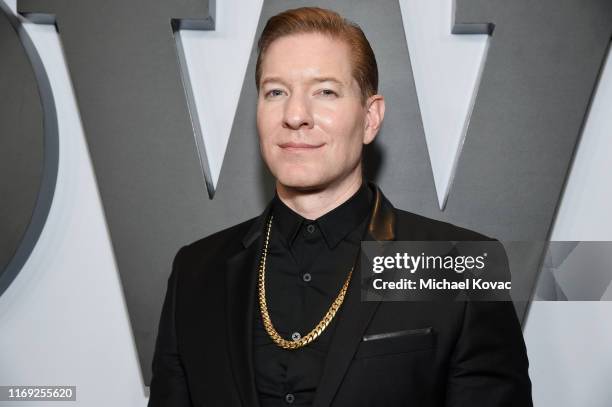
(298,56)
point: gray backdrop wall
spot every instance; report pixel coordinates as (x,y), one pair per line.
(152,168)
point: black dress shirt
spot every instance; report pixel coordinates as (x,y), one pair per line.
(308,262)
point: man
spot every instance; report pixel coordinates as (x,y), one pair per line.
(268,312)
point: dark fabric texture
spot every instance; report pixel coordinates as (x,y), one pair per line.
(307,264)
(452,353)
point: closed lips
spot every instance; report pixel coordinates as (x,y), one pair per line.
(300,145)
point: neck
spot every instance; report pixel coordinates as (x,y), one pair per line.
(314,203)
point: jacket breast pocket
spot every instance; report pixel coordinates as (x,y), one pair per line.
(396,342)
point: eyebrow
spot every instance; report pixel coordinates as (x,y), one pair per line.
(316,79)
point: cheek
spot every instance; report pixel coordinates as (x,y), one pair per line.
(344,130)
(264,127)
(261,118)
(268,118)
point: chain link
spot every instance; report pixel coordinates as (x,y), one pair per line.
(317,330)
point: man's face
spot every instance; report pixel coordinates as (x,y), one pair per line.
(310,116)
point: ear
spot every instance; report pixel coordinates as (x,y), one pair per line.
(375,113)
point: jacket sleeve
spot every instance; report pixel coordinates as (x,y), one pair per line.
(169,384)
(489,364)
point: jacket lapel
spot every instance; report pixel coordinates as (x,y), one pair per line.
(354,315)
(241,279)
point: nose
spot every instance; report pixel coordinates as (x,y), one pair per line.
(297,112)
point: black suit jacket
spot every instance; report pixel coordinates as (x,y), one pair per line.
(468,354)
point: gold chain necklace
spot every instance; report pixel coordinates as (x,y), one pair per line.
(317,330)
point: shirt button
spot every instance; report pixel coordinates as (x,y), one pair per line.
(307,277)
(289,398)
(296,337)
(310,228)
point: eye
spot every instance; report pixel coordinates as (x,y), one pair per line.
(328,92)
(274,92)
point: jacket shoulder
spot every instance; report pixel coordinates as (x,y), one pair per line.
(220,243)
(410,225)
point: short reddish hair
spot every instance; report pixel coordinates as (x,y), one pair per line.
(318,20)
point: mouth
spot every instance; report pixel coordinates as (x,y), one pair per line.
(291,146)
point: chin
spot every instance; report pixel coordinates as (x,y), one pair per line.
(292,182)
(300,180)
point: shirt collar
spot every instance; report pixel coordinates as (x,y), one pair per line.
(334,225)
